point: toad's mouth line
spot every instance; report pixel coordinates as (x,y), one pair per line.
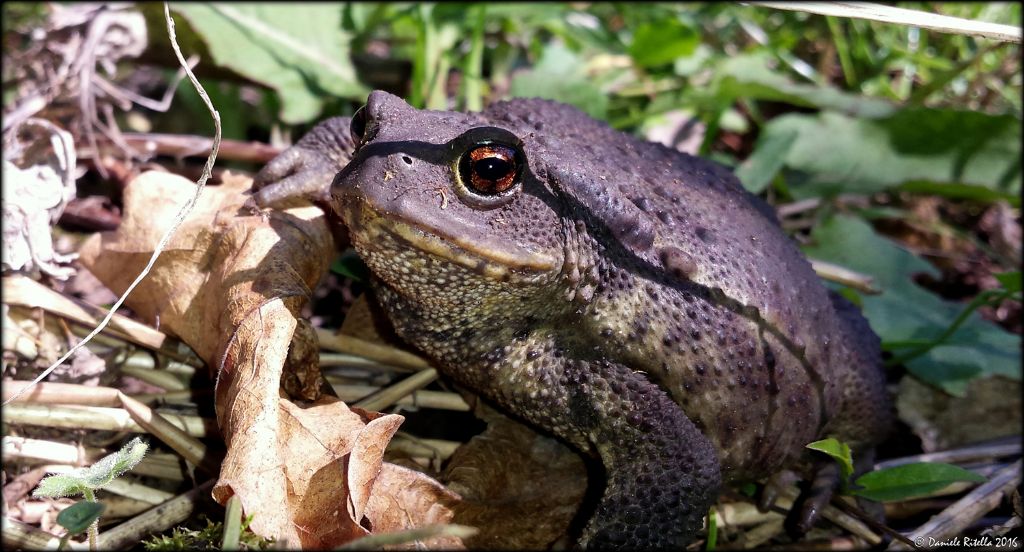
(368,225)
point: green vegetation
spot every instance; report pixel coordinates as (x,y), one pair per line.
(209,536)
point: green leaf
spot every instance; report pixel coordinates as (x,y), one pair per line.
(768,158)
(350,265)
(299,50)
(748,489)
(906,313)
(1011,281)
(61,484)
(909,480)
(946,372)
(834,153)
(79,516)
(96,476)
(749,76)
(954,190)
(661,42)
(114,465)
(559,76)
(839,451)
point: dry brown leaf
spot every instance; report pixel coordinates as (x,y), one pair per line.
(219,267)
(404,498)
(231,284)
(519,488)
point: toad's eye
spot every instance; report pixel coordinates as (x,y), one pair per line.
(490,169)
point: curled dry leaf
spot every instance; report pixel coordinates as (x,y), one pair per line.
(230,284)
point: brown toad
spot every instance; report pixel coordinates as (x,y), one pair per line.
(632,300)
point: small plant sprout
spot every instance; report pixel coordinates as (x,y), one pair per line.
(86,481)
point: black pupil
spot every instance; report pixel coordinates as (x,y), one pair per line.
(492,168)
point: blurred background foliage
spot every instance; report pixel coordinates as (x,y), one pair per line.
(892,150)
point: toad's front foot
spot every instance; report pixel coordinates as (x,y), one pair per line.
(306,169)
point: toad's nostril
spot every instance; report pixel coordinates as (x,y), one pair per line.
(358,125)
(407,159)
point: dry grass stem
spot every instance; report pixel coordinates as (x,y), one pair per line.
(159,378)
(901,16)
(144,360)
(23,291)
(162,428)
(60,393)
(138,491)
(99,418)
(188,396)
(431,449)
(442,400)
(380,540)
(119,507)
(388,396)
(955,519)
(851,524)
(974,453)
(48,452)
(345,360)
(155,520)
(383,354)
(21,536)
(842,275)
(743,514)
(36,451)
(761,534)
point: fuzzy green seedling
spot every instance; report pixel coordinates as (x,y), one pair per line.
(85,482)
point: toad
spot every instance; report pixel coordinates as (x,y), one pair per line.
(631,300)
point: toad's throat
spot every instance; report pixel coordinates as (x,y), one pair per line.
(368,225)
